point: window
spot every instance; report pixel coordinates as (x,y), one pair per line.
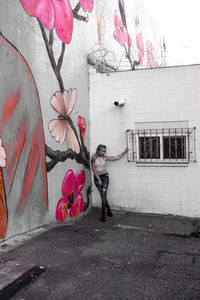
(162,145)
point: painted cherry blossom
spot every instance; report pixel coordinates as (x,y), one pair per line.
(72,198)
(60,128)
(82,125)
(87,5)
(140,47)
(151,61)
(2,155)
(120,33)
(52,13)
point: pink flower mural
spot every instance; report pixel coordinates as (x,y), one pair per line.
(140,47)
(120,33)
(151,61)
(60,128)
(52,13)
(87,5)
(82,126)
(72,199)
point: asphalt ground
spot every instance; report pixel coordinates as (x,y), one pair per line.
(130,256)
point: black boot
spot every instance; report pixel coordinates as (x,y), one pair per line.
(103,217)
(109,213)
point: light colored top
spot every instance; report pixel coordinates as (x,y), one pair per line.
(100,163)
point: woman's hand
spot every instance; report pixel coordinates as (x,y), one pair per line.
(126,150)
(99,182)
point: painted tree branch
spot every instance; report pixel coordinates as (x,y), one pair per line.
(49,47)
(60,60)
(60,156)
(76,15)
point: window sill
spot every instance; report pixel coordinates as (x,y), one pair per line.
(162,164)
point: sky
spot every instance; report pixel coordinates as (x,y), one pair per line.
(179,20)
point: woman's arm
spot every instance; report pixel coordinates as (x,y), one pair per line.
(118,156)
(94,170)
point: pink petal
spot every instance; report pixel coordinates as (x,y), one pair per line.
(2,162)
(87,5)
(68,185)
(71,139)
(61,210)
(69,100)
(58,103)
(90,5)
(2,152)
(79,121)
(42,9)
(117,20)
(58,130)
(77,207)
(120,36)
(80,181)
(63,20)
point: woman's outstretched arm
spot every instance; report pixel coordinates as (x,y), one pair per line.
(118,156)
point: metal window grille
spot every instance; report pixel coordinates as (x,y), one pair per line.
(167,145)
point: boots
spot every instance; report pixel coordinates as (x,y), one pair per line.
(109,213)
(103,217)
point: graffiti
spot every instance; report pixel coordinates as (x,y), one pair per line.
(72,199)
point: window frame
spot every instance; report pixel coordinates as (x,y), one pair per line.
(187,133)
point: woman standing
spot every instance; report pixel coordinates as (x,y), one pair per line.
(101,177)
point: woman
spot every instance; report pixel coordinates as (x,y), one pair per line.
(101,178)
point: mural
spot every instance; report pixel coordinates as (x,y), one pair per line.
(72,199)
(59,15)
(23,165)
(23,182)
(121,34)
(145,56)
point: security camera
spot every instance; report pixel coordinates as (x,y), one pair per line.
(120,102)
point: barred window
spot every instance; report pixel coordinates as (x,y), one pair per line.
(163,145)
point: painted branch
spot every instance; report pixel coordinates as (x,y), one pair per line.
(60,156)
(49,47)
(76,9)
(60,60)
(76,15)
(79,17)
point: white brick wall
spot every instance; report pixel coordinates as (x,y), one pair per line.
(152,95)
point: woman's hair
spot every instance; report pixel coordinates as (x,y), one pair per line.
(99,147)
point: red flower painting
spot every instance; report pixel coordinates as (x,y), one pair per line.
(52,13)
(72,198)
(87,5)
(82,126)
(120,33)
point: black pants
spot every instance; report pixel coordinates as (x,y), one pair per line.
(103,189)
